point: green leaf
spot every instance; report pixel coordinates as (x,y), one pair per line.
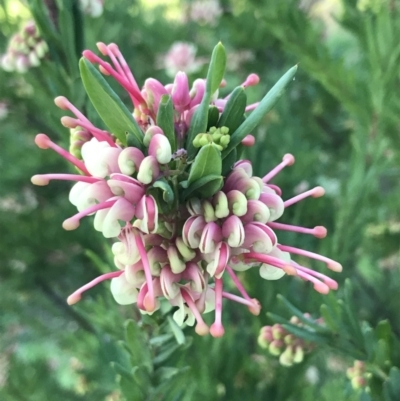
(232,116)
(216,69)
(165,119)
(177,331)
(266,104)
(207,162)
(305,334)
(369,341)
(122,370)
(204,187)
(168,193)
(213,116)
(137,343)
(228,162)
(198,124)
(298,313)
(328,318)
(109,106)
(165,353)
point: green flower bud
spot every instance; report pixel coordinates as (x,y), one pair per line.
(275,348)
(298,354)
(208,211)
(186,252)
(286,358)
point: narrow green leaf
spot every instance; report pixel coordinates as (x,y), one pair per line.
(165,353)
(204,187)
(66,25)
(216,69)
(109,106)
(213,116)
(228,162)
(328,318)
(298,313)
(232,116)
(266,104)
(207,162)
(305,334)
(138,345)
(198,124)
(165,119)
(121,370)
(177,331)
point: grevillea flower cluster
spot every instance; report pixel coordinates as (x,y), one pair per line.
(25,50)
(280,342)
(92,8)
(358,375)
(205,12)
(181,57)
(167,185)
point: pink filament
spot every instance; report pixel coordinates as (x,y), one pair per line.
(302,272)
(68,177)
(76,296)
(43,140)
(216,329)
(318,231)
(85,123)
(147,271)
(238,284)
(200,322)
(73,222)
(114,49)
(335,266)
(252,106)
(135,94)
(315,193)
(237,299)
(288,160)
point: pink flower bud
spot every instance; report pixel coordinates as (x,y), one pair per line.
(148,170)
(160,148)
(153,90)
(180,92)
(233,231)
(129,160)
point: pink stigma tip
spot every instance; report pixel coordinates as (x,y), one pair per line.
(39,180)
(289,159)
(256,308)
(223,83)
(113,48)
(289,270)
(88,54)
(42,141)
(248,140)
(149,304)
(217,330)
(61,102)
(202,329)
(321,288)
(70,224)
(103,70)
(252,80)
(73,299)
(69,122)
(102,48)
(318,192)
(320,232)
(335,266)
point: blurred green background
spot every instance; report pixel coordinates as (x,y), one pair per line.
(341,120)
